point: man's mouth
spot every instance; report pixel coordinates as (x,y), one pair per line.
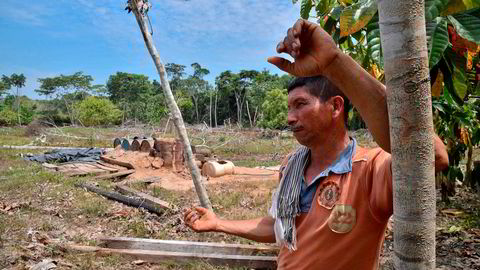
(297,129)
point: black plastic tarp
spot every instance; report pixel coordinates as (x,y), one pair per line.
(68,155)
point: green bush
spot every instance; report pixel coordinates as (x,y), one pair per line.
(275,109)
(8,117)
(95,111)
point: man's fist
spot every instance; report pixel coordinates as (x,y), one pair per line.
(312,48)
(200,219)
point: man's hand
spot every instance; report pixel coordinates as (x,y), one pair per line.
(312,48)
(200,219)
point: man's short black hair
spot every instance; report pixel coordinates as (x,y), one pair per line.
(323,89)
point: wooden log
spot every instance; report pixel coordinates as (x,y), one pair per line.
(153,256)
(115,175)
(153,200)
(117,142)
(134,145)
(204,151)
(79,169)
(147,145)
(187,246)
(125,144)
(130,201)
(106,168)
(117,162)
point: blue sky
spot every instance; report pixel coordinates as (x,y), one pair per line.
(44,38)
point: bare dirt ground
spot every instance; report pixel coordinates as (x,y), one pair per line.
(41,211)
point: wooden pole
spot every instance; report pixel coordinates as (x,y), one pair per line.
(172,105)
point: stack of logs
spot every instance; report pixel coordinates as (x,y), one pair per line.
(171,151)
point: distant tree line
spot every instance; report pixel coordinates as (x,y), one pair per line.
(248,98)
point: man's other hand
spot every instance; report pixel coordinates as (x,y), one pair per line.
(312,48)
(200,219)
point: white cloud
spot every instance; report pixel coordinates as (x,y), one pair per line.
(26,13)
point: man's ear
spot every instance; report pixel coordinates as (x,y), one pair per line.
(338,106)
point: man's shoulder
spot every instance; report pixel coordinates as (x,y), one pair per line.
(370,154)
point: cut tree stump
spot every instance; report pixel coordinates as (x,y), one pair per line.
(130,201)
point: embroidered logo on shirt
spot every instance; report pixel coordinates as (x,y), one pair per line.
(328,194)
(342,219)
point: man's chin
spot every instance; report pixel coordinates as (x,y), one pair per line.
(301,140)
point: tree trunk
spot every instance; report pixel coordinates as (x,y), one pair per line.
(403,38)
(210,110)
(215,109)
(172,105)
(468,170)
(18,108)
(249,116)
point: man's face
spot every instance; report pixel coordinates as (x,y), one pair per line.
(309,117)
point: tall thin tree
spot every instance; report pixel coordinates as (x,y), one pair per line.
(403,37)
(139,8)
(18,80)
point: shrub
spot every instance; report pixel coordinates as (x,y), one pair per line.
(95,111)
(275,109)
(8,117)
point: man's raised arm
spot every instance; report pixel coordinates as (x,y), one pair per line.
(316,53)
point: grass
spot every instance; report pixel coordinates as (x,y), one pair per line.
(56,208)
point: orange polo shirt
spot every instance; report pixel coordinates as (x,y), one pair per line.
(345,226)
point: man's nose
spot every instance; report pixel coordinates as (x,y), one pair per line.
(291,119)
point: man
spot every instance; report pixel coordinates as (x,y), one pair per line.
(331,208)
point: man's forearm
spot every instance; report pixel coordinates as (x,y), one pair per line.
(369,96)
(260,230)
(365,92)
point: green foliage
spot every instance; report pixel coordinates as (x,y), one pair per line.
(433,8)
(357,16)
(458,125)
(374,44)
(8,117)
(77,82)
(305,7)
(437,40)
(275,109)
(467,26)
(94,111)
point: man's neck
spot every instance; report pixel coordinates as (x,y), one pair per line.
(324,155)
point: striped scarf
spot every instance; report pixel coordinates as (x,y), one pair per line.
(288,197)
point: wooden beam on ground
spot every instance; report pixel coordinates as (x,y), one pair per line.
(117,162)
(153,256)
(186,246)
(114,175)
(154,201)
(130,201)
(106,168)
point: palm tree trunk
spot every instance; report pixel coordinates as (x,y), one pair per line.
(403,38)
(176,114)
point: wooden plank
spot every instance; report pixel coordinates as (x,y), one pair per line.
(117,162)
(156,201)
(153,256)
(130,201)
(115,175)
(50,166)
(111,166)
(110,169)
(186,246)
